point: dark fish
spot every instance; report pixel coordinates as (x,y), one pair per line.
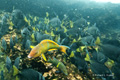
(4,44)
(61,33)
(4,19)
(17,18)
(59,65)
(99,70)
(8,64)
(25,32)
(30,74)
(65,41)
(80,22)
(55,22)
(4,24)
(88,40)
(11,43)
(74,32)
(1,34)
(27,45)
(116,71)
(16,39)
(111,51)
(74,46)
(17,60)
(93,30)
(114,42)
(99,57)
(39,37)
(80,63)
(2,75)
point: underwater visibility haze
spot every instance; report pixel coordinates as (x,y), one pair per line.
(59,39)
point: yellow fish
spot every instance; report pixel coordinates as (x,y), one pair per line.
(44,46)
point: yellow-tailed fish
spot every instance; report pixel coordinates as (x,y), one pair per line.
(59,65)
(109,63)
(44,46)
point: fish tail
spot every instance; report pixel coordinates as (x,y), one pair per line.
(15,71)
(63,48)
(87,58)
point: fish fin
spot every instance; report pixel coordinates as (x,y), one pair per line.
(44,57)
(96,48)
(49,59)
(49,41)
(82,48)
(17,78)
(87,58)
(52,49)
(32,46)
(63,48)
(78,49)
(58,65)
(98,42)
(72,54)
(15,70)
